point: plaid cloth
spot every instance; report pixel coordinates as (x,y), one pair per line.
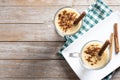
(95,13)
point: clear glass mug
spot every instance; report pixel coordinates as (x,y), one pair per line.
(105,58)
(74,28)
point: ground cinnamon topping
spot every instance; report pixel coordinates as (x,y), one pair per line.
(66,19)
(92,51)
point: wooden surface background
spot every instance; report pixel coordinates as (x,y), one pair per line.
(29,42)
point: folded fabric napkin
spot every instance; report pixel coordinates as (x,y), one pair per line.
(95,13)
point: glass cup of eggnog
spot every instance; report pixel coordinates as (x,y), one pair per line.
(89,57)
(64,20)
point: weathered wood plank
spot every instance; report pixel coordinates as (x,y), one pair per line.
(29,32)
(52,2)
(30,50)
(34,2)
(58,78)
(43,14)
(36,69)
(29,14)
(26,14)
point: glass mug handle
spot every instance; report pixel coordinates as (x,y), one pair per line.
(74,55)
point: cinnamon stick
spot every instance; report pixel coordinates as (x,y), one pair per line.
(116,41)
(107,42)
(111,44)
(79,18)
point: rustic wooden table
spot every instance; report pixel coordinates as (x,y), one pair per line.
(29,43)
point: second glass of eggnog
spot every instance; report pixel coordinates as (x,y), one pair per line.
(90,58)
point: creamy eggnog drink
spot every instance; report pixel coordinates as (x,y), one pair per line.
(90,57)
(64,20)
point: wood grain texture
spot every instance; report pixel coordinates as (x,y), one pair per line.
(36,69)
(34,2)
(30,50)
(40,78)
(43,14)
(29,32)
(52,2)
(34,14)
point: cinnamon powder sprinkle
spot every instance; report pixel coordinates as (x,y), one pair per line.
(66,19)
(92,51)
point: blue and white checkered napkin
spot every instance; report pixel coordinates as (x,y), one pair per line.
(95,13)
